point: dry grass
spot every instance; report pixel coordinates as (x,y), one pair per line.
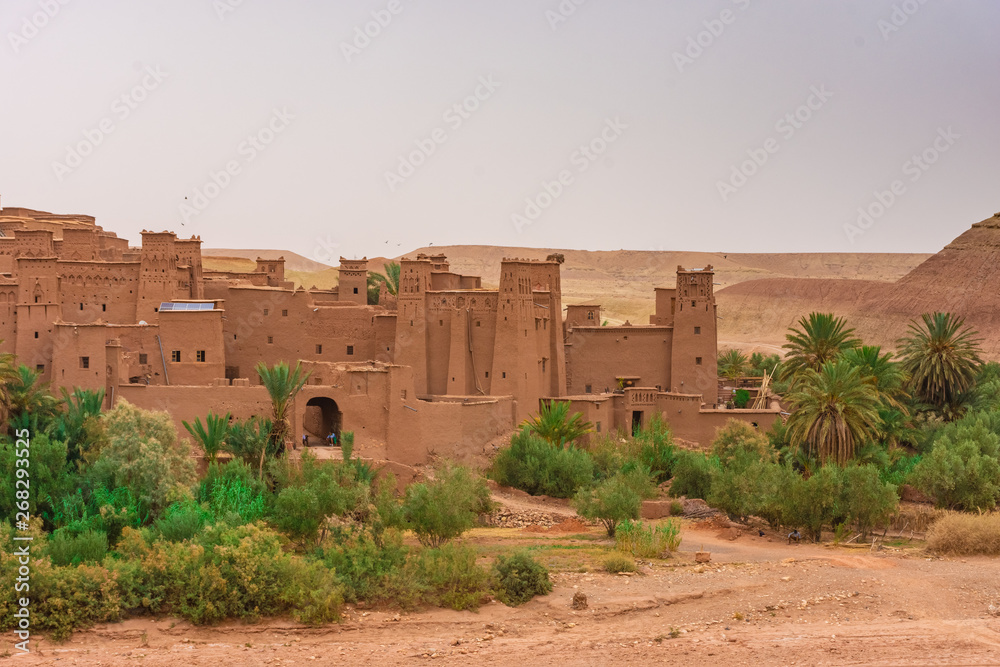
(960,534)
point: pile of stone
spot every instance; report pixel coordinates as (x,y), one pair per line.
(505,517)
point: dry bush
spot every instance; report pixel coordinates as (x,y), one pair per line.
(961,534)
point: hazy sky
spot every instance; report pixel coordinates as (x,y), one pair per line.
(730,125)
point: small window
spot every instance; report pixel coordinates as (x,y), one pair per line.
(81,306)
(84,362)
(350,350)
(479,323)
(200,356)
(697,361)
(270,340)
(598,427)
(266,311)
(355,290)
(319,349)
(697,330)
(440,323)
(692,304)
(487,373)
(284,313)
(402,394)
(588,389)
(175,356)
(104,307)
(143,359)
(36,299)
(504,374)
(155,310)
(40,368)
(36,334)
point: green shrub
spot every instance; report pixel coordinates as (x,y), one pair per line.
(88,547)
(364,566)
(739,440)
(617,563)
(447,506)
(866,500)
(962,470)
(814,502)
(449,577)
(518,578)
(143,455)
(692,475)
(656,448)
(648,540)
(181,521)
(297,513)
(51,478)
(312,592)
(233,492)
(676,508)
(65,599)
(611,502)
(741,398)
(535,465)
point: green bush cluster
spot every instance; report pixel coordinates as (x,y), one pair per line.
(648,540)
(539,467)
(123,527)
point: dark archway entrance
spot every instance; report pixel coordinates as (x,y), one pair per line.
(322,418)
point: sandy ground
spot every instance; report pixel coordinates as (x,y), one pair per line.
(759,602)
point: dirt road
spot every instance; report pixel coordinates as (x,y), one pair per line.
(759,602)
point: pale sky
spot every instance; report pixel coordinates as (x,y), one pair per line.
(723,125)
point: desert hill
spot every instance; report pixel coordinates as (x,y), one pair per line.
(293,261)
(962,278)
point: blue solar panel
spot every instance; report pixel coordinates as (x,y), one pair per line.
(169,305)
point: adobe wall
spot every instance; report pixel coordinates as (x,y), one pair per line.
(257,328)
(189,333)
(689,421)
(596,356)
(91,291)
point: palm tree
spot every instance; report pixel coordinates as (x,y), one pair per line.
(879,370)
(390,279)
(834,410)
(250,440)
(554,423)
(80,406)
(821,339)
(942,359)
(24,395)
(211,435)
(282,385)
(733,364)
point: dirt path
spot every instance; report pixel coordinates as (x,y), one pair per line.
(758,602)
